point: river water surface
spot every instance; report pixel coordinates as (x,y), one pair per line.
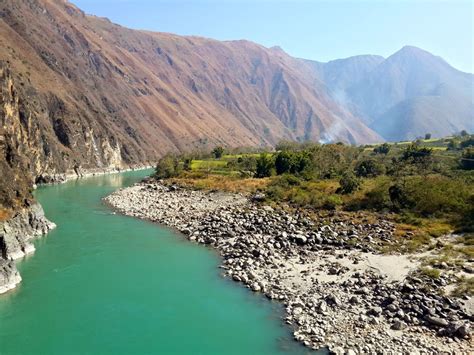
(106,283)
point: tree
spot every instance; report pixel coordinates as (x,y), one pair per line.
(469,142)
(369,168)
(382,149)
(467,159)
(453,144)
(464,133)
(264,166)
(428,136)
(416,153)
(218,152)
(167,167)
(283,162)
(187,164)
(349,183)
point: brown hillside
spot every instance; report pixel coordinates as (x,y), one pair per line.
(94,86)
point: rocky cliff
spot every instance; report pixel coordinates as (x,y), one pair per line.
(16,235)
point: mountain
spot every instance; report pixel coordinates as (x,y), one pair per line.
(97,86)
(404,96)
(77,91)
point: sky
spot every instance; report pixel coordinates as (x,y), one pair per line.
(310,29)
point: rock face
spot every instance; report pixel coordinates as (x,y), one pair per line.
(337,291)
(16,235)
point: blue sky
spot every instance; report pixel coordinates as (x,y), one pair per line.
(319,30)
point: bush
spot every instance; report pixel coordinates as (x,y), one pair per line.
(283,162)
(264,166)
(416,154)
(167,167)
(467,143)
(187,164)
(218,152)
(433,195)
(349,183)
(382,149)
(292,162)
(467,159)
(369,168)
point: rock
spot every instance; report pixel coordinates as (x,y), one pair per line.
(375,311)
(256,287)
(439,322)
(464,331)
(301,239)
(398,325)
(353,300)
(258,197)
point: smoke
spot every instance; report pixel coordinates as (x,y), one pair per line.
(334,131)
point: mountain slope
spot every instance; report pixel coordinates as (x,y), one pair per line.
(96,86)
(409,94)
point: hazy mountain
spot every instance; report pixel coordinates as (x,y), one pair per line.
(404,96)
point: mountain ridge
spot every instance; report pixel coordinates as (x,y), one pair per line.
(83,92)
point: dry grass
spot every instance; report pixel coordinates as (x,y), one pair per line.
(223,183)
(4,214)
(465,286)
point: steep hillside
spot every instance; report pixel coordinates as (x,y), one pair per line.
(407,95)
(146,93)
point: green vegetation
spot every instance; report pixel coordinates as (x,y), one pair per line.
(218,152)
(426,186)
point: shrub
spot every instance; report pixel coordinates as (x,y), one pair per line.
(467,143)
(283,162)
(467,159)
(218,152)
(369,168)
(264,166)
(382,149)
(349,183)
(453,144)
(187,164)
(416,154)
(292,162)
(167,167)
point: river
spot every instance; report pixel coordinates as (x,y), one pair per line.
(105,283)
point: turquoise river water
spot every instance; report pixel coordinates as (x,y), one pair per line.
(108,284)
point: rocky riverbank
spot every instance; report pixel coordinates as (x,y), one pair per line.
(16,235)
(79,173)
(338,291)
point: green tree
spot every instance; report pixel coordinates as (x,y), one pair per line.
(428,136)
(349,183)
(467,143)
(382,149)
(265,166)
(167,167)
(283,162)
(464,133)
(467,159)
(369,168)
(218,152)
(187,164)
(453,144)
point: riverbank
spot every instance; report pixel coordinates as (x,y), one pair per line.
(16,236)
(338,292)
(78,173)
(18,232)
